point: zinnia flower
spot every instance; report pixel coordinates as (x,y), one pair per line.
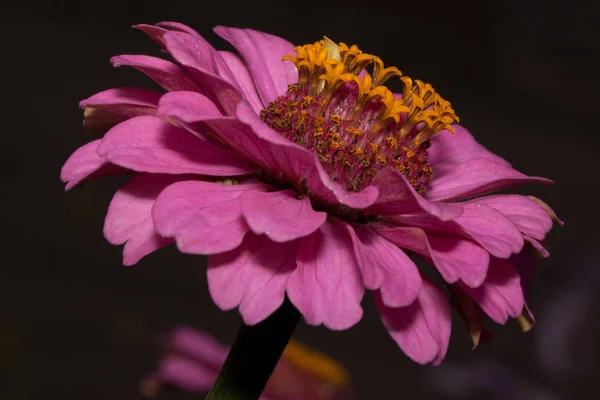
(299,173)
(193,358)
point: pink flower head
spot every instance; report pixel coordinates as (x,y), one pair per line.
(193,359)
(299,173)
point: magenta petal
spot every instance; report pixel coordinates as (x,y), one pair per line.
(449,150)
(199,345)
(280,215)
(129,218)
(185,374)
(149,144)
(165,73)
(397,196)
(326,286)
(490,228)
(252,276)
(85,163)
(527,215)
(177,26)
(187,107)
(455,258)
(475,178)
(384,266)
(206,66)
(422,330)
(263,53)
(501,295)
(244,79)
(203,217)
(284,159)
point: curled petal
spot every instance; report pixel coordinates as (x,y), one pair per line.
(280,215)
(471,314)
(85,163)
(386,267)
(252,276)
(500,296)
(422,330)
(455,258)
(129,218)
(476,177)
(149,144)
(203,217)
(397,196)
(262,53)
(285,160)
(326,285)
(106,109)
(168,75)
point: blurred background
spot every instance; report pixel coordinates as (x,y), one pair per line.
(76,324)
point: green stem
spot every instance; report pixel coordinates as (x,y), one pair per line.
(254,355)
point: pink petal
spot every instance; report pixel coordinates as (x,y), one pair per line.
(281,216)
(326,285)
(527,215)
(209,70)
(422,330)
(474,178)
(471,314)
(199,345)
(185,374)
(384,266)
(165,73)
(106,109)
(244,79)
(501,295)
(397,196)
(263,53)
(85,163)
(252,276)
(455,258)
(177,26)
(449,150)
(285,160)
(203,217)
(129,218)
(149,144)
(187,106)
(490,228)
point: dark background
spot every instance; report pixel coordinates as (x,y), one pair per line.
(76,324)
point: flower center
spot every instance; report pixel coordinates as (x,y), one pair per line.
(354,123)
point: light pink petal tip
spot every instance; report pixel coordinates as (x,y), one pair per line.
(455,258)
(422,330)
(149,144)
(386,267)
(281,216)
(85,163)
(203,217)
(326,286)
(253,277)
(129,218)
(262,53)
(286,160)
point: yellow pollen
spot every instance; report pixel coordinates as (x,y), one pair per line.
(325,66)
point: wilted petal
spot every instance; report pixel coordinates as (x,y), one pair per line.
(397,196)
(203,217)
(476,177)
(168,75)
(253,276)
(471,314)
(422,330)
(149,144)
(281,216)
(129,218)
(285,160)
(326,285)
(500,296)
(85,163)
(262,53)
(385,266)
(455,258)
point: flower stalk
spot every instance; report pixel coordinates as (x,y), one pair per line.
(254,355)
